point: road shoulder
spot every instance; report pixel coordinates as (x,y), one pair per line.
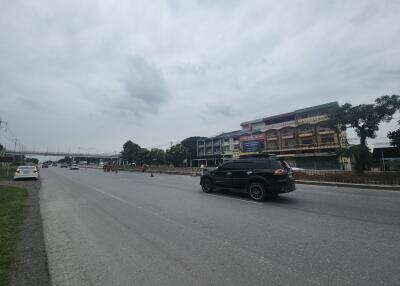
(30,266)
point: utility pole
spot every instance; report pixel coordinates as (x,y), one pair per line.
(15,140)
(3,125)
(2,151)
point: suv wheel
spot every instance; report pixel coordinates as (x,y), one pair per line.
(257,191)
(207,185)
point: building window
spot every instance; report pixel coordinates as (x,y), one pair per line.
(305,128)
(327,139)
(289,143)
(272,146)
(324,129)
(287,132)
(306,142)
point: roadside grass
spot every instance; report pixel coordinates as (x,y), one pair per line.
(7,176)
(12,200)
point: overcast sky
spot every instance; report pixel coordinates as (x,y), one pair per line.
(91,74)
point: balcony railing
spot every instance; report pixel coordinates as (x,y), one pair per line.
(311,120)
(305,133)
(322,132)
(273,147)
(289,147)
(272,138)
(291,123)
(327,143)
(308,144)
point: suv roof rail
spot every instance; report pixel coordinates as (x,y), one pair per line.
(257,156)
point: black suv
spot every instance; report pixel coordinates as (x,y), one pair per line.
(261,178)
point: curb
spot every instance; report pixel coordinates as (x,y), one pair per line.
(360,186)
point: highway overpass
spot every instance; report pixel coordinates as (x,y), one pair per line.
(70,154)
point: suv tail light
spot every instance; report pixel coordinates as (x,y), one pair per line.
(17,171)
(35,171)
(280,172)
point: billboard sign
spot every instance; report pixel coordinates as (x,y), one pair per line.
(252,143)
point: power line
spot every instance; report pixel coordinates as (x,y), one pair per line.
(10,136)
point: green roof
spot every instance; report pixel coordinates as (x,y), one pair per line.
(326,105)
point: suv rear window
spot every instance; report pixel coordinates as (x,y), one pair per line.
(243,165)
(267,164)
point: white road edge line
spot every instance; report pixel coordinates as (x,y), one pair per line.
(122,200)
(108,194)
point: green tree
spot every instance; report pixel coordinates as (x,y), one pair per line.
(190,144)
(157,156)
(130,151)
(32,160)
(143,156)
(365,120)
(176,154)
(67,159)
(394,137)
(1,147)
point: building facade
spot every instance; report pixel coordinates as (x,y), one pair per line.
(300,137)
(214,150)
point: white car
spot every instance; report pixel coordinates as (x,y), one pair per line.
(23,172)
(74,167)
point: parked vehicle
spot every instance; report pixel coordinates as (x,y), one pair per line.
(23,172)
(54,164)
(74,167)
(44,165)
(64,165)
(261,178)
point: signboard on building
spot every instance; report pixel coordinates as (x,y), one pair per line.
(252,143)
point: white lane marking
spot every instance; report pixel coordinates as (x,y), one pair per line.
(225,243)
(247,201)
(108,194)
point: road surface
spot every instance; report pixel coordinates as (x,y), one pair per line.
(130,229)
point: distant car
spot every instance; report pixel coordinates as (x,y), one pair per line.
(44,165)
(64,165)
(260,178)
(74,167)
(54,164)
(23,172)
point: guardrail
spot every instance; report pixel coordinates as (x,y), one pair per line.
(369,177)
(155,169)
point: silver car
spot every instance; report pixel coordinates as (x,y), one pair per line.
(26,172)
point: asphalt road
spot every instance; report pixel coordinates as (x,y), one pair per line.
(130,229)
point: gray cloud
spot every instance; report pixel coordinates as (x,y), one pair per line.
(162,71)
(220,110)
(145,87)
